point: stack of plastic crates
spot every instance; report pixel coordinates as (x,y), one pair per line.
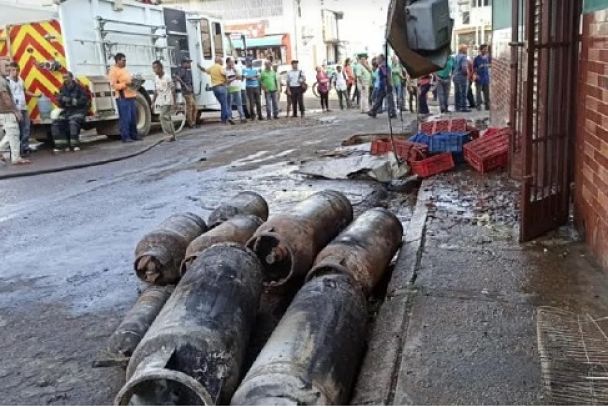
(490,151)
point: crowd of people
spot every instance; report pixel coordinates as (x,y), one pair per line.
(370,87)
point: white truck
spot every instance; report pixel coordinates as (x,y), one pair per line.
(82,36)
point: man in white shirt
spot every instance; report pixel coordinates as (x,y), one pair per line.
(296,86)
(164,98)
(339,82)
(18,91)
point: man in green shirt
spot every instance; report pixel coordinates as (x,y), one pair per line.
(444,83)
(268,78)
(398,79)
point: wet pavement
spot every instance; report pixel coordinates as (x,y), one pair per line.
(462,324)
(470,334)
(68,238)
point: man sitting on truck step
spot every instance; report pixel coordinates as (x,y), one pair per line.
(66,127)
(120,80)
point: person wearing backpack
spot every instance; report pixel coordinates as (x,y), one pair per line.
(296,87)
(461,78)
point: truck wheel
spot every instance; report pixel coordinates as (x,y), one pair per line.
(144,115)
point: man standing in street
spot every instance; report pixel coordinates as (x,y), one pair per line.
(120,80)
(75,104)
(252,77)
(234,78)
(363,74)
(218,85)
(296,84)
(398,80)
(383,90)
(10,116)
(481,74)
(164,98)
(184,77)
(269,85)
(461,78)
(339,81)
(19,92)
(444,84)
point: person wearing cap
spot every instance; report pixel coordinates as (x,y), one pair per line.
(218,85)
(296,85)
(184,78)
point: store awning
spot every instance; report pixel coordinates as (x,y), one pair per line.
(267,41)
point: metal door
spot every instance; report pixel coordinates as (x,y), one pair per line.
(543,111)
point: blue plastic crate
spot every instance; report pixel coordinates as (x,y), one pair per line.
(448,142)
(420,138)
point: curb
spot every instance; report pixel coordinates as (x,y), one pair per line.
(81,165)
(379,372)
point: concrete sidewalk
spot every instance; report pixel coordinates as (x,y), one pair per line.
(459,325)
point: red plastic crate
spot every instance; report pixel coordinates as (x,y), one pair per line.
(444,125)
(489,152)
(433,165)
(406,150)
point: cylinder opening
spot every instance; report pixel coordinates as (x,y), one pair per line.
(163,387)
(275,257)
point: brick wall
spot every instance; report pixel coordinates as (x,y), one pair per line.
(500,87)
(500,91)
(591,157)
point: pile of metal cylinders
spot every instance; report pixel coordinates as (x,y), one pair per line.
(307,272)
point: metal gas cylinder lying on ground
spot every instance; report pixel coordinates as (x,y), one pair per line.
(237,229)
(364,250)
(194,350)
(288,243)
(159,254)
(313,355)
(133,327)
(243,203)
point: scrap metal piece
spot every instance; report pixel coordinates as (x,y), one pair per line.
(288,243)
(193,353)
(238,229)
(159,254)
(364,250)
(133,327)
(243,203)
(312,357)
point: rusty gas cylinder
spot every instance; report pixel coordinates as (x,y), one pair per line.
(364,249)
(133,327)
(237,229)
(312,357)
(193,353)
(288,243)
(158,256)
(243,203)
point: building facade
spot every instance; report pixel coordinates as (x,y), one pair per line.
(311,27)
(472,23)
